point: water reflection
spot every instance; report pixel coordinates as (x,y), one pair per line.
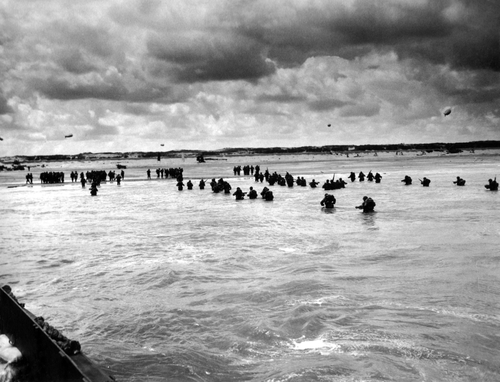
(369,220)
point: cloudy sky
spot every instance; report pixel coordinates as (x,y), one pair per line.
(131,75)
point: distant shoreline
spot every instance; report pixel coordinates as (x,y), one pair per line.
(14,175)
(347,150)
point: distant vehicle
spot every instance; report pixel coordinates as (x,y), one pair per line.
(68,136)
(121,166)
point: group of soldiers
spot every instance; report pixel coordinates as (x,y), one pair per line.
(49,177)
(368,204)
(425,182)
(370,177)
(223,186)
(266,194)
(173,172)
(247,169)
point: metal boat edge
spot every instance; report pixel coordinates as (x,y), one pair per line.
(44,358)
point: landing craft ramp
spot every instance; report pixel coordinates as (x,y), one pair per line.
(45,360)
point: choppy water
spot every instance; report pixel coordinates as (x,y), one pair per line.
(162,285)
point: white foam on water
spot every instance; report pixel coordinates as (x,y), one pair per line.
(319,345)
(287,250)
(316,301)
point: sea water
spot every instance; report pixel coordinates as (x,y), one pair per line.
(165,285)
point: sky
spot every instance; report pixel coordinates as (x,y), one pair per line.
(133,75)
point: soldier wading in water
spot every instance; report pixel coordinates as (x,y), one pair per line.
(368,204)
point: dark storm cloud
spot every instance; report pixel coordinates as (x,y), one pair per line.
(281,98)
(377,22)
(343,31)
(430,32)
(466,48)
(73,60)
(4,106)
(241,40)
(472,86)
(480,96)
(212,56)
(470,40)
(113,89)
(63,89)
(327,104)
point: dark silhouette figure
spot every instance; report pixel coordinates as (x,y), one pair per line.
(425,182)
(328,201)
(252,194)
(269,196)
(407,180)
(227,187)
(492,185)
(459,181)
(240,195)
(368,204)
(93,189)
